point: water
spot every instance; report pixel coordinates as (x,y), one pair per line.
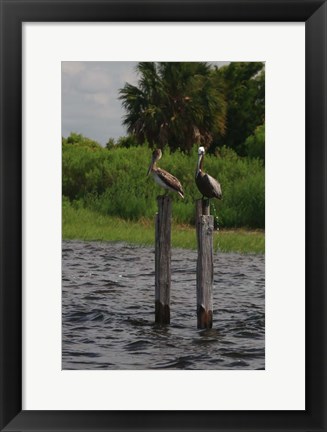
(108,311)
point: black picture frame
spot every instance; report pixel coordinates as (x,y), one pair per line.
(13,14)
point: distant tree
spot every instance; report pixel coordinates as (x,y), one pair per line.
(123,141)
(81,141)
(175,104)
(255,144)
(127,141)
(245,96)
(110,144)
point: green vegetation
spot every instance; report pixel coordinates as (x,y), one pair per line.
(245,96)
(177,104)
(114,182)
(84,224)
(255,144)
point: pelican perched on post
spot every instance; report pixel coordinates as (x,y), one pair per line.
(207,185)
(162,177)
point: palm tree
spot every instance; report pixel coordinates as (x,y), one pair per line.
(175,103)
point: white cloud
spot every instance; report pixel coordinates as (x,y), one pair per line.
(93,81)
(98,98)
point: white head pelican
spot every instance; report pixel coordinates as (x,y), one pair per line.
(162,177)
(207,185)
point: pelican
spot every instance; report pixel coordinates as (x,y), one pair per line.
(207,185)
(162,177)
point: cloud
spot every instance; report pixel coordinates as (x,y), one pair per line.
(90,102)
(90,92)
(93,81)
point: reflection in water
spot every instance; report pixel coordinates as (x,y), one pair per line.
(108,311)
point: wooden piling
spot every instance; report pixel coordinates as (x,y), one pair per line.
(162,260)
(204,271)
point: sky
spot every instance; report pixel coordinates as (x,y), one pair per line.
(89,99)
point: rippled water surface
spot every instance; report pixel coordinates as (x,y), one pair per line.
(108,311)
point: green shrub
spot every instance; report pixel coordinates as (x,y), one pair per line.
(114,182)
(81,141)
(255,144)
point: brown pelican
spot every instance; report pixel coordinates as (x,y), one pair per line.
(162,177)
(207,185)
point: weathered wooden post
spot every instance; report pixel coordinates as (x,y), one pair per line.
(162,260)
(204,271)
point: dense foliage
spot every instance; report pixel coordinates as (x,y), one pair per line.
(177,104)
(113,181)
(244,89)
(255,144)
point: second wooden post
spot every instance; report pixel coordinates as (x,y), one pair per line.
(204,271)
(162,260)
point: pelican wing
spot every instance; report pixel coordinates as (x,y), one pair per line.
(214,185)
(208,186)
(171,181)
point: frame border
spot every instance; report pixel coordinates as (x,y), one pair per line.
(12,14)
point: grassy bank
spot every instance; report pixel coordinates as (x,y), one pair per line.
(84,224)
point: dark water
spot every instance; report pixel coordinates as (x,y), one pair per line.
(108,311)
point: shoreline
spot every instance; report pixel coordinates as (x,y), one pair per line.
(85,225)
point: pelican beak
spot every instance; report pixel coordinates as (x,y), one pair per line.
(198,164)
(150,168)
